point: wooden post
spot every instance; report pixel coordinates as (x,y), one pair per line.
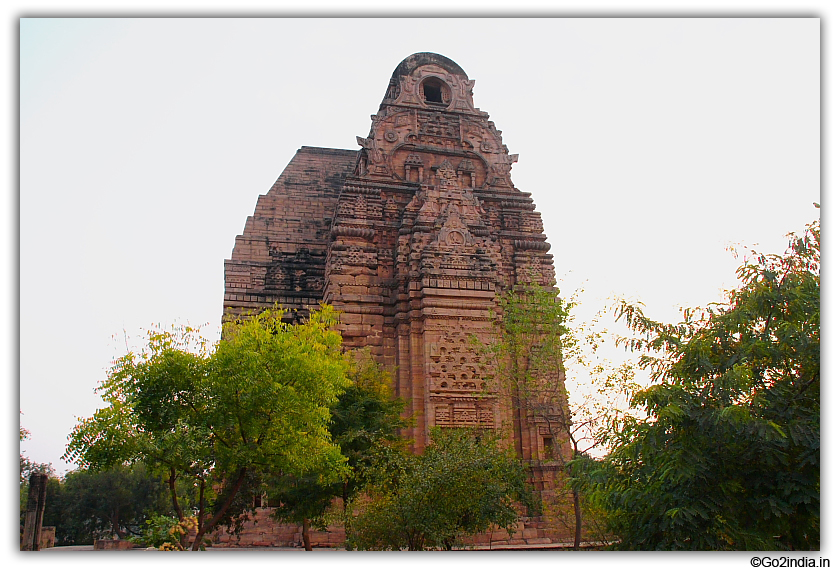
(34,512)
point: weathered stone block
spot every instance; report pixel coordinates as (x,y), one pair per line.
(351,318)
(354,289)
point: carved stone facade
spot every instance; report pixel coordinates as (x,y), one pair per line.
(412,238)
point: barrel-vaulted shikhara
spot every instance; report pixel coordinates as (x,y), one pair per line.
(412,237)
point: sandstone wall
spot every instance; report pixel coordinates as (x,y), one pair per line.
(281,255)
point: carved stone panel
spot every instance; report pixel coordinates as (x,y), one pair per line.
(465,412)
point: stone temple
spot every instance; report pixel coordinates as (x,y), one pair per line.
(412,237)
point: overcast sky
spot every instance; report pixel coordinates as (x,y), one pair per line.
(649,146)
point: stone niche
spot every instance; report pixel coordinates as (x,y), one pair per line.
(412,237)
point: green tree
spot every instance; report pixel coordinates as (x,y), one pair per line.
(462,484)
(728,455)
(259,403)
(538,341)
(102,504)
(86,505)
(302,500)
(365,417)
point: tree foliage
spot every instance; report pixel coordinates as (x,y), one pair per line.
(258,403)
(365,417)
(166,532)
(462,484)
(86,505)
(538,342)
(106,503)
(728,456)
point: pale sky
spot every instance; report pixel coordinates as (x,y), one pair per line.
(649,145)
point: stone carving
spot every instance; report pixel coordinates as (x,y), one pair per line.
(453,365)
(455,238)
(454,232)
(360,207)
(409,90)
(350,231)
(375,156)
(464,100)
(465,412)
(531,244)
(393,89)
(437,124)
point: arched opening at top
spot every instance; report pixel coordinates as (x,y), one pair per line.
(432,93)
(435,92)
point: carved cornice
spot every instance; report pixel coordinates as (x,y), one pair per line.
(361,185)
(344,247)
(349,231)
(473,397)
(518,205)
(531,244)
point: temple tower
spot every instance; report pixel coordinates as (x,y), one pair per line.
(412,238)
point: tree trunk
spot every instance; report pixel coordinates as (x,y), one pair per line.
(307,544)
(202,530)
(178,512)
(575,491)
(115,525)
(199,518)
(201,504)
(578,518)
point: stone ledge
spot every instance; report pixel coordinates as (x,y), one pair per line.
(112,545)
